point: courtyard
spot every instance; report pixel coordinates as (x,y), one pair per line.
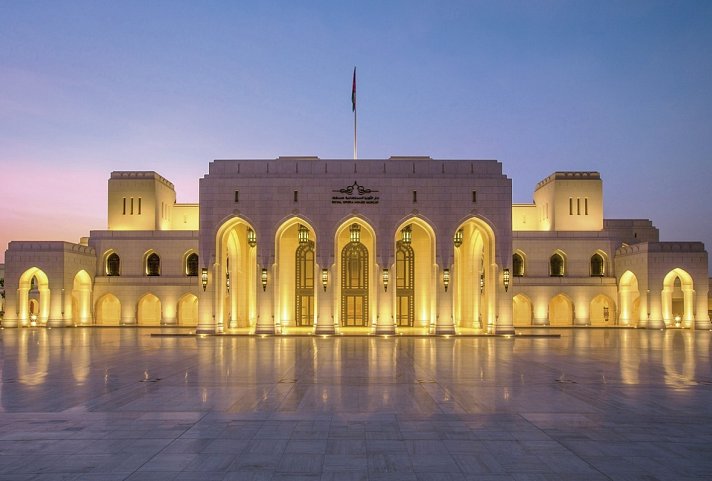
(123,404)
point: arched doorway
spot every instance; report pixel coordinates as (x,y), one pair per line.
(296,273)
(81,298)
(148,312)
(522,310)
(561,311)
(188,310)
(33,297)
(629,299)
(475,271)
(235,274)
(415,274)
(602,312)
(355,244)
(108,310)
(677,298)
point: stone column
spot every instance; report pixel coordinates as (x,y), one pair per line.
(445,323)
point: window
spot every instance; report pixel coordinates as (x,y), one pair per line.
(597,269)
(237,196)
(578,205)
(571,206)
(153,265)
(474,196)
(585,205)
(518,265)
(139,206)
(296,196)
(124,205)
(131,205)
(113,265)
(191,265)
(415,196)
(304,284)
(556,265)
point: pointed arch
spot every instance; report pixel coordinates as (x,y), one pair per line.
(629,299)
(522,310)
(33,286)
(191,263)
(151,263)
(678,298)
(112,263)
(602,311)
(598,264)
(557,264)
(81,298)
(148,310)
(108,310)
(561,310)
(519,263)
(188,310)
(295,271)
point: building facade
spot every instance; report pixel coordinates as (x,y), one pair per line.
(405,244)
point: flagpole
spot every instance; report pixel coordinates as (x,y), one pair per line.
(353,107)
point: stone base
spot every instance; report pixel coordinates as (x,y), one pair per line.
(448,330)
(655,324)
(324,329)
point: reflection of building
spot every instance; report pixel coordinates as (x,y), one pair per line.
(368,245)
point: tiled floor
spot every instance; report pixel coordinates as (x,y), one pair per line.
(115,404)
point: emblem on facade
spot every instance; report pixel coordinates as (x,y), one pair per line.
(354,194)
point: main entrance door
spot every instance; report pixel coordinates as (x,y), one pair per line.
(354,285)
(304,285)
(405,289)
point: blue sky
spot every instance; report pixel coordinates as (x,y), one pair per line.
(623,88)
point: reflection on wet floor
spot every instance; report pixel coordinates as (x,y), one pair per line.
(454,406)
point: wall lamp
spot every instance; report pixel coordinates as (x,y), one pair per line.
(482,283)
(606,313)
(386,278)
(324,278)
(303,234)
(204,278)
(251,237)
(457,238)
(264,280)
(446,278)
(407,234)
(505,279)
(227,281)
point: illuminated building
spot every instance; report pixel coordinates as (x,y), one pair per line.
(405,244)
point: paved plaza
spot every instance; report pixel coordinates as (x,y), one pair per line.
(594,404)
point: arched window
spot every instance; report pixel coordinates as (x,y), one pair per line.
(191,265)
(518,265)
(556,265)
(153,265)
(113,264)
(597,269)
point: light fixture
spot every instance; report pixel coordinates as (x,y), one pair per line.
(324,278)
(355,233)
(505,279)
(204,278)
(457,238)
(482,282)
(264,280)
(251,237)
(446,278)
(606,313)
(407,234)
(386,278)
(303,234)
(227,281)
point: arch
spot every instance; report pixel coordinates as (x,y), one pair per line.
(108,310)
(152,263)
(191,263)
(33,286)
(522,310)
(561,311)
(81,298)
(295,271)
(518,263)
(415,290)
(148,310)
(602,311)
(628,299)
(236,259)
(557,264)
(475,271)
(112,263)
(677,298)
(597,265)
(188,310)
(356,273)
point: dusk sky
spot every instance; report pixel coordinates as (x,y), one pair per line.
(623,88)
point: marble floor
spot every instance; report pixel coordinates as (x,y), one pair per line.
(119,404)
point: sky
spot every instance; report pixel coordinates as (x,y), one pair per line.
(86,88)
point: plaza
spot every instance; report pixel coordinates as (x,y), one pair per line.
(95,403)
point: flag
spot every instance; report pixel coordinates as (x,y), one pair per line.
(353,93)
